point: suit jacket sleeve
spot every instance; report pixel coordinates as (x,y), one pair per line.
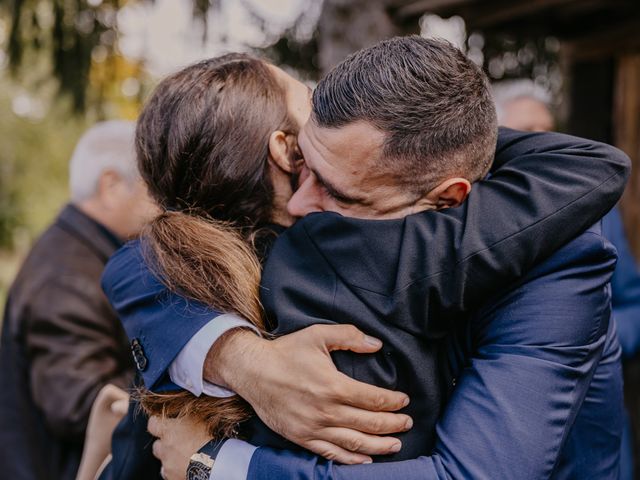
(157,321)
(625,286)
(74,351)
(533,353)
(545,190)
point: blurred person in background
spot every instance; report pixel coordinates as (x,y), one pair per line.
(61,341)
(523,105)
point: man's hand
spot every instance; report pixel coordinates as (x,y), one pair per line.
(178,439)
(295,388)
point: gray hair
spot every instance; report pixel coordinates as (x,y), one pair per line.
(105,146)
(509,90)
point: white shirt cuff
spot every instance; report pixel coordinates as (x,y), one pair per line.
(187,370)
(232,462)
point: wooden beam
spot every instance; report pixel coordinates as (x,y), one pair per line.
(626,123)
(418,8)
(506,12)
(613,40)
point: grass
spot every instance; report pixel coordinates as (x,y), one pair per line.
(9,264)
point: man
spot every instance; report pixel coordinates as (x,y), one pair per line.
(523,105)
(61,341)
(343,187)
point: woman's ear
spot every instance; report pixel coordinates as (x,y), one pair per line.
(281,151)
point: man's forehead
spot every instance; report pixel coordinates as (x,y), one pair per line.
(344,159)
(355,141)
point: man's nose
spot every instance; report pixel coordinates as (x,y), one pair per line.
(305,200)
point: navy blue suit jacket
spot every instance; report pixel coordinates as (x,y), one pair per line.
(427,270)
(538,386)
(625,286)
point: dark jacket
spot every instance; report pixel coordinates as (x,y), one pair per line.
(61,342)
(407,281)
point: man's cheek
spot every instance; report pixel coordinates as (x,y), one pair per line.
(302,175)
(328,204)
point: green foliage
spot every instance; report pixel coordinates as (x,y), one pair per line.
(64,36)
(33,176)
(65,32)
(33,168)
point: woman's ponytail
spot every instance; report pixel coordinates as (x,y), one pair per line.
(209,262)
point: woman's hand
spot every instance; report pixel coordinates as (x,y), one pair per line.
(178,439)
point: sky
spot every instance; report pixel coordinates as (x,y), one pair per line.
(165,35)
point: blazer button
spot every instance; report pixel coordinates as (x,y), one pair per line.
(138,355)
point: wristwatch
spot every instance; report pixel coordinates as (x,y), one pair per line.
(202,462)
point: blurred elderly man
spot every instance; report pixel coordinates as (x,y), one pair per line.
(523,105)
(61,341)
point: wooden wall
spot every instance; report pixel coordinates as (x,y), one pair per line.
(603,73)
(626,135)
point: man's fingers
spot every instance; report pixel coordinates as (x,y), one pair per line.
(375,423)
(369,397)
(358,442)
(344,337)
(336,453)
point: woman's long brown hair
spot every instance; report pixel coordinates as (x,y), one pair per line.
(202,146)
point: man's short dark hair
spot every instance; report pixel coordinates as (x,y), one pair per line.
(431,101)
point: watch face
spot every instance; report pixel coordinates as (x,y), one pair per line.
(198,471)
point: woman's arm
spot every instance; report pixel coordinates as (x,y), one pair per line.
(158,322)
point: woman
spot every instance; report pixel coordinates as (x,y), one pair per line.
(216,144)
(223,180)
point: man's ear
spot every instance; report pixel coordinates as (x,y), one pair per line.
(107,189)
(450,193)
(281,151)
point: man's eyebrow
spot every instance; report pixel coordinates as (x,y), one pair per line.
(334,191)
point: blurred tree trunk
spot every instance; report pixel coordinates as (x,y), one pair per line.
(349,25)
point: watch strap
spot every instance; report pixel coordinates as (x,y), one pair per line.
(201,463)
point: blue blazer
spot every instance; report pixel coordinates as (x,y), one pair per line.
(414,280)
(625,286)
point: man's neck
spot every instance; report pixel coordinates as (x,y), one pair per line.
(96,213)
